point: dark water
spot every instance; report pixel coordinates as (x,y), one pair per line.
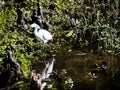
(80,65)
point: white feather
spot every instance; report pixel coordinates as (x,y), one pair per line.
(42,34)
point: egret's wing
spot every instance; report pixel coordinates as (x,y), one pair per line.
(46,35)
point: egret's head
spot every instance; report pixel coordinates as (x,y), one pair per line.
(34,25)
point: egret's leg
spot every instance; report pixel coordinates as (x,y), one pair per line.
(44,52)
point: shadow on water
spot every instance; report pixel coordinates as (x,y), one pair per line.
(86,72)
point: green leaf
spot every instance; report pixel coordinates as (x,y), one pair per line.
(69,33)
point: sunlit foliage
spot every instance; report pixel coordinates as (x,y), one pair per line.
(96,27)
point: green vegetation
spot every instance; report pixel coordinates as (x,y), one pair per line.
(96,28)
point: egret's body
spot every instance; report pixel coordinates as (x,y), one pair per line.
(42,34)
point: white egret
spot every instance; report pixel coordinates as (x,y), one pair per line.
(42,34)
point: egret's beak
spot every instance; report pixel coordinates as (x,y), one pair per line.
(31,26)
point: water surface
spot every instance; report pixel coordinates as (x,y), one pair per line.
(80,65)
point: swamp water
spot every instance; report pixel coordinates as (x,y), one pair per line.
(80,65)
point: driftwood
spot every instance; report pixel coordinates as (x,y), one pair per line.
(20,17)
(39,11)
(38,18)
(39,81)
(13,67)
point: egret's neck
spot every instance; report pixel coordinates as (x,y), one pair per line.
(36,31)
